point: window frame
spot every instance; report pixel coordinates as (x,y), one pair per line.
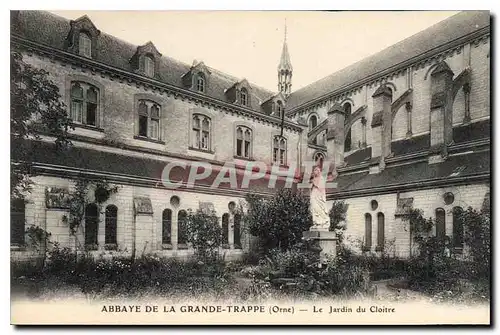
(348,135)
(149,119)
(109,223)
(200,77)
(166,241)
(84,37)
(197,146)
(244,94)
(149,71)
(91,245)
(276,159)
(84,102)
(245,128)
(368,232)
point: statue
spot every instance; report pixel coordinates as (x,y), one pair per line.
(319,210)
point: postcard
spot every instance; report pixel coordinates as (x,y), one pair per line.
(250,167)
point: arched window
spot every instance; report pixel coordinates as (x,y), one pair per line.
(313,122)
(201,132)
(149,66)
(17,221)
(166,223)
(244,96)
(380,231)
(237,231)
(149,119)
(85,45)
(368,231)
(111,224)
(181,229)
(243,142)
(225,230)
(84,103)
(348,136)
(280,110)
(319,158)
(200,82)
(91,228)
(458,228)
(440,223)
(279,150)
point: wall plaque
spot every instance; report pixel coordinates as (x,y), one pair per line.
(142,205)
(57,197)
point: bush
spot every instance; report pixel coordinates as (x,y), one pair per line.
(204,233)
(279,221)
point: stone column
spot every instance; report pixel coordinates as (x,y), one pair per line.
(381,125)
(466,89)
(363,132)
(408,118)
(335,135)
(440,115)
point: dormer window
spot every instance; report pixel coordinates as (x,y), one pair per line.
(279,109)
(244,97)
(85,45)
(149,66)
(82,38)
(200,83)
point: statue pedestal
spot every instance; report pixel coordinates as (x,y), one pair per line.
(324,242)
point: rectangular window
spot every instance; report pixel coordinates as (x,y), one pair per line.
(76,111)
(154,128)
(247,149)
(143,125)
(282,157)
(204,140)
(239,147)
(91,114)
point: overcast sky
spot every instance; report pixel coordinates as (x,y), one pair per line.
(248,44)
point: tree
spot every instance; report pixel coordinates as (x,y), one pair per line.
(279,221)
(338,214)
(204,233)
(35,108)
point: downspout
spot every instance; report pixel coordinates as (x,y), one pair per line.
(133,233)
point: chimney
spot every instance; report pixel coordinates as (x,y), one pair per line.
(441,112)
(382,124)
(335,135)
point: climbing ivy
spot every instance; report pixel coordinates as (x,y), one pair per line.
(79,199)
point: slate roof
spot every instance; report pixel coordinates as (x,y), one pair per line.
(471,132)
(454,166)
(441,33)
(130,166)
(52,30)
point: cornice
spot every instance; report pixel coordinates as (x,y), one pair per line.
(415,157)
(156,86)
(41,169)
(416,62)
(414,186)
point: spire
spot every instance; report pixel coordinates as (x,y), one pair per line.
(285,63)
(285,69)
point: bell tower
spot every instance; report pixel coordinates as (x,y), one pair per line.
(285,70)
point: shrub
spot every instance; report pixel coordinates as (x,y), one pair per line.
(204,233)
(279,221)
(338,214)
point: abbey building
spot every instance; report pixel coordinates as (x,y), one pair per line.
(406,127)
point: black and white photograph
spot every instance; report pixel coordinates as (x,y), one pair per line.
(250,167)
